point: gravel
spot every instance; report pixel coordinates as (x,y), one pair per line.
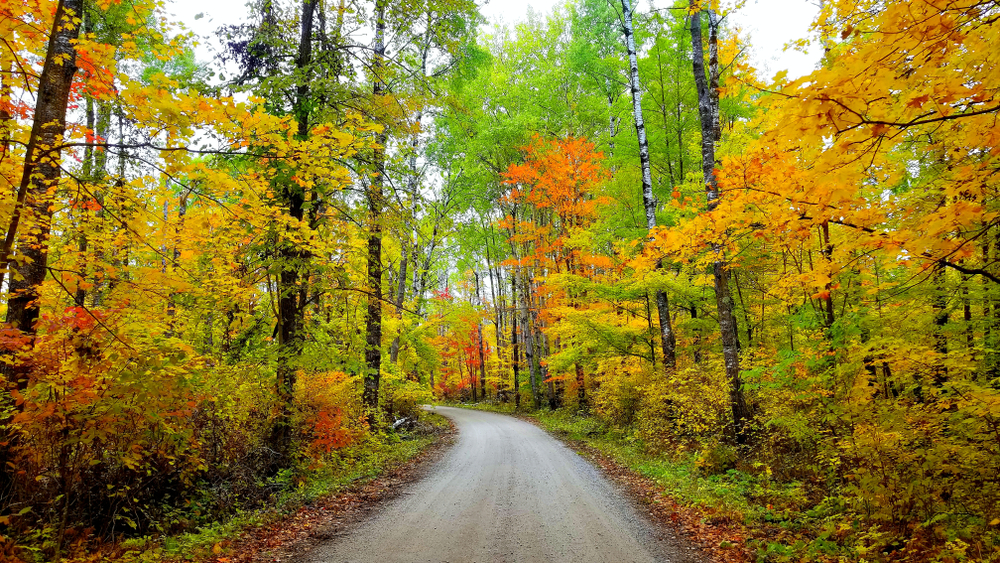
(506,492)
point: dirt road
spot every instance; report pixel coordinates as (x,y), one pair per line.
(506,492)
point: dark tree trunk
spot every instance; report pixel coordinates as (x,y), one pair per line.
(828,312)
(697,335)
(33,203)
(412,183)
(969,328)
(708,111)
(529,346)
(939,304)
(41,171)
(290,306)
(482,362)
(989,358)
(515,353)
(472,380)
(175,255)
(542,350)
(6,119)
(400,299)
(373,320)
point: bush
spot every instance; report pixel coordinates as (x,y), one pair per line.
(120,440)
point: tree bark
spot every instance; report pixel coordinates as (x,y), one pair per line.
(373,320)
(668,341)
(472,379)
(939,304)
(708,112)
(400,299)
(41,171)
(290,306)
(6,119)
(827,252)
(541,351)
(528,337)
(515,353)
(412,183)
(175,255)
(697,336)
(40,177)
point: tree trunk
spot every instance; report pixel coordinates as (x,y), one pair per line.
(697,336)
(373,320)
(708,111)
(290,306)
(827,252)
(39,178)
(400,298)
(939,304)
(175,255)
(527,333)
(515,353)
(41,171)
(541,351)
(968,327)
(482,362)
(668,340)
(412,182)
(6,119)
(472,379)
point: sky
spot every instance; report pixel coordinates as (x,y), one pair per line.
(770,23)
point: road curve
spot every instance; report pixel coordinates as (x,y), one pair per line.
(506,492)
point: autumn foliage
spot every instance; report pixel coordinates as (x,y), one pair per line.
(220,290)
(139,356)
(857,222)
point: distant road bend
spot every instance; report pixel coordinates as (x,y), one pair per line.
(506,492)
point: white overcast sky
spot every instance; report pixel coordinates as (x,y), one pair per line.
(770,23)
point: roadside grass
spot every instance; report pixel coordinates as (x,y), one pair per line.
(297,488)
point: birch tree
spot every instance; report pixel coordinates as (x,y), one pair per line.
(668,341)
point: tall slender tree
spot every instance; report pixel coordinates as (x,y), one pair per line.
(374,196)
(668,341)
(708,111)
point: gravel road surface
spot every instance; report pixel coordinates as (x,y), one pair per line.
(506,492)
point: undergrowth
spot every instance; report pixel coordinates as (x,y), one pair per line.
(294,488)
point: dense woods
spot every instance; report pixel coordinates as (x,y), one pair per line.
(225,278)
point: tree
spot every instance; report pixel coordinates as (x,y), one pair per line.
(41,171)
(557,185)
(668,341)
(711,131)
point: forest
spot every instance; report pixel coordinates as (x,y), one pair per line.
(225,279)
